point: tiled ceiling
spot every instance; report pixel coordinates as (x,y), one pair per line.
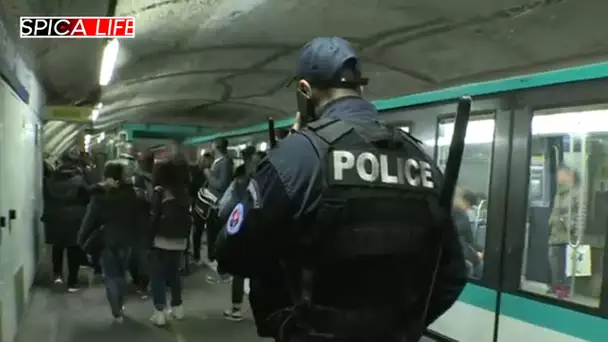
(225,63)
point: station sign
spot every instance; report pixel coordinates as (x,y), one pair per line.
(68,113)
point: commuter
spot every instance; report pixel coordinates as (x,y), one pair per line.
(183,173)
(144,188)
(473,254)
(65,201)
(327,207)
(199,222)
(562,226)
(219,177)
(231,197)
(112,223)
(170,231)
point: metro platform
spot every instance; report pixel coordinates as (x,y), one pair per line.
(84,316)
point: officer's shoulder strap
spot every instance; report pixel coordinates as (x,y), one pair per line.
(324,132)
(330,129)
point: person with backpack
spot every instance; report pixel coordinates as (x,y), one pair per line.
(199,221)
(169,234)
(112,224)
(343,231)
(235,192)
(144,187)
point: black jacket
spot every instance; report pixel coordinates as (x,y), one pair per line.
(119,213)
(197,180)
(65,200)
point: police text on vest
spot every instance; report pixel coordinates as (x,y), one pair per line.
(372,167)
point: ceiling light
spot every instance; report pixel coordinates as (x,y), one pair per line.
(482,131)
(110,54)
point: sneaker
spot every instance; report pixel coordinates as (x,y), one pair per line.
(178,312)
(119,320)
(159,318)
(58,281)
(73,289)
(143,294)
(222,279)
(233,314)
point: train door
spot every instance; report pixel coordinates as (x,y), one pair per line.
(8,117)
(478,215)
(557,217)
(478,205)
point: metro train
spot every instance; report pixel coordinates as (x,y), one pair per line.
(524,133)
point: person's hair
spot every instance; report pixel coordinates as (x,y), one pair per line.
(247,153)
(240,171)
(469,197)
(222,144)
(207,155)
(147,161)
(169,175)
(119,170)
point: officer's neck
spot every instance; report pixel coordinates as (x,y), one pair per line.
(335,94)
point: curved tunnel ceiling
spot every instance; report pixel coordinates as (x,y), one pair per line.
(225,63)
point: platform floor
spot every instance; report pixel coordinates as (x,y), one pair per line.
(57,316)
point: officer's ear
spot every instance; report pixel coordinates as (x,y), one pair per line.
(305,88)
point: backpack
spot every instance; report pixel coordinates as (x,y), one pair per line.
(172,219)
(205,204)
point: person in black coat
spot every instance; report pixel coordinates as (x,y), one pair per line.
(113,222)
(65,200)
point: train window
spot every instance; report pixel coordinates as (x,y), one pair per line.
(568,194)
(471,198)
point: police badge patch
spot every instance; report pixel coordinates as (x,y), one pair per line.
(235,219)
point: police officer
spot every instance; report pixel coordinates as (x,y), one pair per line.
(339,229)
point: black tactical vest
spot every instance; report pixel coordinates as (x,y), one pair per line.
(379,196)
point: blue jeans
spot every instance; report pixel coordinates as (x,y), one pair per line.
(164,270)
(114,263)
(138,267)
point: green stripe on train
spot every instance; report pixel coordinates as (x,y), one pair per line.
(574,74)
(573,323)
